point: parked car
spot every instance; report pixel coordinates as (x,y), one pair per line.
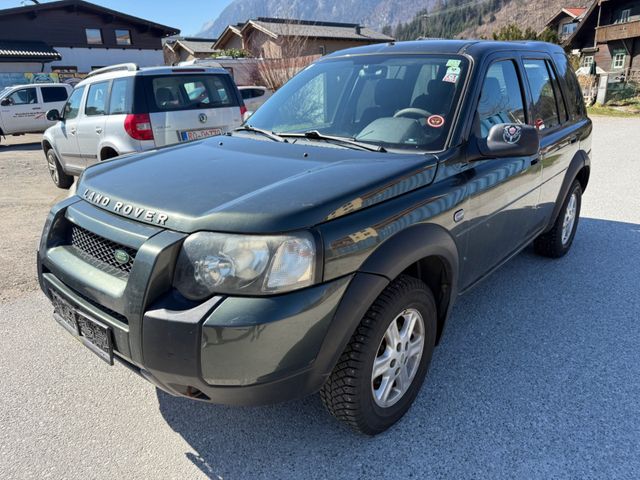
(254,96)
(322,246)
(23,107)
(124,109)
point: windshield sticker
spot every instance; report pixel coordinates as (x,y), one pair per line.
(435,121)
(453,71)
(450,77)
(452,62)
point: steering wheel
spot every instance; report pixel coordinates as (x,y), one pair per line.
(412,112)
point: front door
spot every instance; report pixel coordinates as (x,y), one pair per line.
(67,137)
(503,192)
(24,112)
(91,128)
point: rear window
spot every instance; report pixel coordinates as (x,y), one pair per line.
(53,94)
(191,92)
(121,100)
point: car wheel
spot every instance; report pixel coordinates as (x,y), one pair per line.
(59,177)
(382,368)
(557,241)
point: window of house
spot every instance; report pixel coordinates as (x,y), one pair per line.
(123,37)
(568,29)
(544,101)
(64,69)
(94,36)
(501,97)
(53,94)
(623,16)
(322,50)
(23,96)
(97,99)
(617,62)
(586,61)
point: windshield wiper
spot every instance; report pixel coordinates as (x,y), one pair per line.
(272,135)
(316,135)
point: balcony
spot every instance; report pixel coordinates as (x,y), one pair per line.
(618,31)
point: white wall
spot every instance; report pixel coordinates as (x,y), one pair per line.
(85,58)
(20,67)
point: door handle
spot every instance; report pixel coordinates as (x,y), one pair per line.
(573,139)
(72,131)
(98,129)
(534,161)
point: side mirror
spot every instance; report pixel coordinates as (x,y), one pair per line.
(5,102)
(247,115)
(53,115)
(510,140)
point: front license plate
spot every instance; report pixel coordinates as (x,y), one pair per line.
(189,135)
(95,335)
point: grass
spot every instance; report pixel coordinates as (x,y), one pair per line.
(610,111)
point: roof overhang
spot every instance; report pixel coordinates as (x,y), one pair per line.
(17,51)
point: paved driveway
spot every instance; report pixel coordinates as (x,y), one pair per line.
(538,374)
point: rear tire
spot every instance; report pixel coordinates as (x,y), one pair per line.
(557,241)
(396,337)
(58,175)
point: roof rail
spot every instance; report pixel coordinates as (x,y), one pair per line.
(130,67)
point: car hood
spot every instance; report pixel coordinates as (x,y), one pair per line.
(236,184)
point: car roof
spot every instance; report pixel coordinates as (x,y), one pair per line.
(161,70)
(474,48)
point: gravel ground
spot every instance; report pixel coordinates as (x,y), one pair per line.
(538,374)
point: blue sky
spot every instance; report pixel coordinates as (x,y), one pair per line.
(187,15)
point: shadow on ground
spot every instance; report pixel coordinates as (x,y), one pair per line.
(537,376)
(23,147)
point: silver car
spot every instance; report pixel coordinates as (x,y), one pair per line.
(124,109)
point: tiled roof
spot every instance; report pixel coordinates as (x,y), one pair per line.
(303,28)
(198,45)
(19,51)
(576,12)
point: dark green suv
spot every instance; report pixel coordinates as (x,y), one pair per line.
(321,246)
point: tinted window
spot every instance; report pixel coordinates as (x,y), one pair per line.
(501,97)
(186,92)
(558,93)
(24,96)
(53,94)
(575,101)
(97,99)
(72,107)
(544,101)
(121,96)
(246,93)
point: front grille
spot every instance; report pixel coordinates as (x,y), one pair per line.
(95,248)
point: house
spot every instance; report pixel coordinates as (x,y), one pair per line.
(282,38)
(184,49)
(565,22)
(609,35)
(76,36)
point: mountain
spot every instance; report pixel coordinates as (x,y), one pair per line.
(372,13)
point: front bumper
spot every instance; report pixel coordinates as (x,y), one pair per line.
(231,350)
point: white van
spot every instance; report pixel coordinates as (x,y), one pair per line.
(23,108)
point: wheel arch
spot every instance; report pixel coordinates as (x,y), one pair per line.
(107,152)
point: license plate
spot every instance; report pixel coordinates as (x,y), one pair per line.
(189,135)
(95,335)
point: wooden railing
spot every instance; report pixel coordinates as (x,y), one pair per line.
(618,31)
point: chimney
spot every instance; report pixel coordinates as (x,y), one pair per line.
(358,29)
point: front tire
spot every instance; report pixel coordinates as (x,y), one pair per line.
(384,365)
(58,175)
(557,241)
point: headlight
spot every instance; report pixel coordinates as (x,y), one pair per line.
(244,264)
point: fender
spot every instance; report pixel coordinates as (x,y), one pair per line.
(580,160)
(388,261)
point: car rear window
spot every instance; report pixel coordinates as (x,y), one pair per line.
(191,92)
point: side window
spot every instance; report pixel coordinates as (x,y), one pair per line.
(544,101)
(53,94)
(23,96)
(97,99)
(121,98)
(72,107)
(562,110)
(575,101)
(501,97)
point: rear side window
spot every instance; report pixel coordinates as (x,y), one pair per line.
(53,94)
(501,97)
(575,101)
(544,101)
(188,92)
(562,110)
(97,99)
(121,98)
(72,106)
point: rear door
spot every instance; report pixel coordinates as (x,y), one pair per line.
(53,97)
(189,106)
(23,113)
(91,127)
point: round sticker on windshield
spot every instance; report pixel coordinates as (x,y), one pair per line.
(435,121)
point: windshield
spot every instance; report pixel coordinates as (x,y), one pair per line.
(404,102)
